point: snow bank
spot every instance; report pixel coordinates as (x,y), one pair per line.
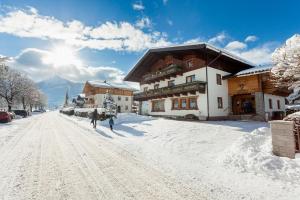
(253,153)
(99,110)
(128,118)
(292,116)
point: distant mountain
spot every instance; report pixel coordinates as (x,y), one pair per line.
(55,89)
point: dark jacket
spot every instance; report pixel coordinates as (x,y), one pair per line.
(95,114)
(111,121)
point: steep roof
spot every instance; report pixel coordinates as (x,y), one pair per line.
(180,48)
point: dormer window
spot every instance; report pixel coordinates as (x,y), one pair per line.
(145,89)
(156,86)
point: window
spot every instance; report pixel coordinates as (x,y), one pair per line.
(219,79)
(158,106)
(189,103)
(270,104)
(156,86)
(145,89)
(189,64)
(126,98)
(126,107)
(119,98)
(220,102)
(171,83)
(175,104)
(192,103)
(190,79)
(278,104)
(183,103)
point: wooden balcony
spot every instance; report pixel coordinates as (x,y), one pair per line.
(176,90)
(168,72)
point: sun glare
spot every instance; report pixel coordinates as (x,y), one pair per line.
(62,56)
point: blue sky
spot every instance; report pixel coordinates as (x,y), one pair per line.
(104,39)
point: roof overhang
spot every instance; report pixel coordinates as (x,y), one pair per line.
(153,54)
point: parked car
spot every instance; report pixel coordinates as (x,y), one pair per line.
(12,115)
(4,117)
(22,113)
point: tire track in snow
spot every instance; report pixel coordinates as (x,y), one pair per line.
(129,164)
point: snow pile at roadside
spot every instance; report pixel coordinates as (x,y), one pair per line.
(99,110)
(292,116)
(253,153)
(128,118)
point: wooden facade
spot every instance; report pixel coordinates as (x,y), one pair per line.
(92,90)
(244,85)
(188,58)
(248,84)
(193,87)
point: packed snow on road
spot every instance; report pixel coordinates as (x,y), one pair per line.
(54,156)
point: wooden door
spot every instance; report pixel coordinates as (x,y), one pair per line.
(243,104)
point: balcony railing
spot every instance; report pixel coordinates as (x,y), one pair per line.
(196,86)
(170,70)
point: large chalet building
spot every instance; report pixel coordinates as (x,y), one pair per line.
(203,81)
(95,93)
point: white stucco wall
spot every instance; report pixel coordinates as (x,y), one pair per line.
(200,75)
(201,112)
(274,103)
(99,99)
(215,91)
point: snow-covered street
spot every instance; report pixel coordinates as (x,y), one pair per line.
(51,158)
(54,156)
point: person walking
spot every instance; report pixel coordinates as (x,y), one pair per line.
(94,118)
(111,123)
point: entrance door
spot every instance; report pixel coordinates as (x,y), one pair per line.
(243,104)
(145,106)
(119,109)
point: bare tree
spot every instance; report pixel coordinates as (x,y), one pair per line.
(10,85)
(16,87)
(27,94)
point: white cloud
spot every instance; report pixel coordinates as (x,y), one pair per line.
(138,6)
(235,45)
(31,61)
(260,55)
(170,22)
(119,36)
(218,39)
(193,41)
(251,38)
(165,2)
(145,22)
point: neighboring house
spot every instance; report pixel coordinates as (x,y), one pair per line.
(203,81)
(96,91)
(255,86)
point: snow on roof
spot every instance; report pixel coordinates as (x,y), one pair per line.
(294,95)
(254,70)
(104,84)
(293,106)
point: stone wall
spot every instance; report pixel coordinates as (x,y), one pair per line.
(259,104)
(283,140)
